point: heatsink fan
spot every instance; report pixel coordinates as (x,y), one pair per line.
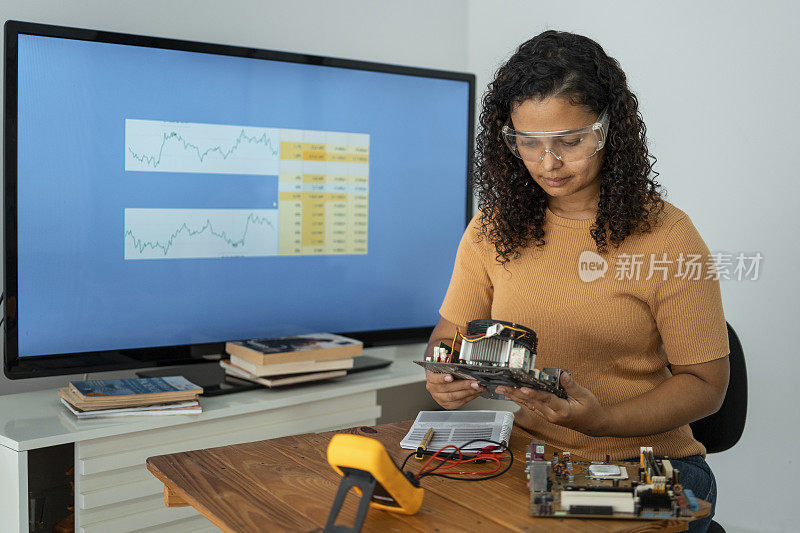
(495,353)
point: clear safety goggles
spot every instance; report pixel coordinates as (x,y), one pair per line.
(566,146)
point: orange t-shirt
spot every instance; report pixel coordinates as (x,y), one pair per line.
(616,333)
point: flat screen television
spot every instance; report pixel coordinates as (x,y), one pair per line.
(164,196)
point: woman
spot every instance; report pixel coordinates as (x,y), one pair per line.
(574,240)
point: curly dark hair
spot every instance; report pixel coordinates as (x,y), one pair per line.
(575,67)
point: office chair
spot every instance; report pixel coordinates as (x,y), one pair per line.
(720,431)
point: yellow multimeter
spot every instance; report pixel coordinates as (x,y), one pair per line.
(366,466)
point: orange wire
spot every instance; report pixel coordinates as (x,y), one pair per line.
(485,458)
(453,349)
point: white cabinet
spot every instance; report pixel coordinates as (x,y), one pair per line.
(114,492)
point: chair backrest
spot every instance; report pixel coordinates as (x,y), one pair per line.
(720,431)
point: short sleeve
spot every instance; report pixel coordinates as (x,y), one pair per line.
(469,295)
(687,305)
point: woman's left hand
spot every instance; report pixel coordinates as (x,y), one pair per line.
(579,411)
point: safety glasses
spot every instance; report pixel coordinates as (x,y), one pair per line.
(566,146)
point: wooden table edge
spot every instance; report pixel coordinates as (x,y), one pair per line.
(176,497)
(182,495)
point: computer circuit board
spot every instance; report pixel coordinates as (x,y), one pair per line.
(494,376)
(647,490)
(494,353)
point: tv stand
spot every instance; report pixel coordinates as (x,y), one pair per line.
(114,491)
(210,376)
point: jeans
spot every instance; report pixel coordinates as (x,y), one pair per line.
(697,476)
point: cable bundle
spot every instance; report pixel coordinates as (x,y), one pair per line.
(483,455)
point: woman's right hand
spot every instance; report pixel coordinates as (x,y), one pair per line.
(452,393)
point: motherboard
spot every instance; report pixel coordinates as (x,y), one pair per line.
(563,488)
(495,353)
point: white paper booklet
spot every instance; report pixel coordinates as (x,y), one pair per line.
(458,428)
(190,407)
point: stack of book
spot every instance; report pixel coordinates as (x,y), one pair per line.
(290,360)
(99,398)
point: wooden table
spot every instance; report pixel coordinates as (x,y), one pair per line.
(287,484)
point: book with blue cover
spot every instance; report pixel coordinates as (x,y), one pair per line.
(119,389)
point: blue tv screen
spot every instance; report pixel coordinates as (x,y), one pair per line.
(171,193)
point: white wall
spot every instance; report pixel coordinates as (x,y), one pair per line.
(719,85)
(413,32)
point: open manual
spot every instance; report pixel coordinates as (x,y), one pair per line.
(460,427)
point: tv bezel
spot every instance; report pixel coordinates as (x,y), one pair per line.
(16,367)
